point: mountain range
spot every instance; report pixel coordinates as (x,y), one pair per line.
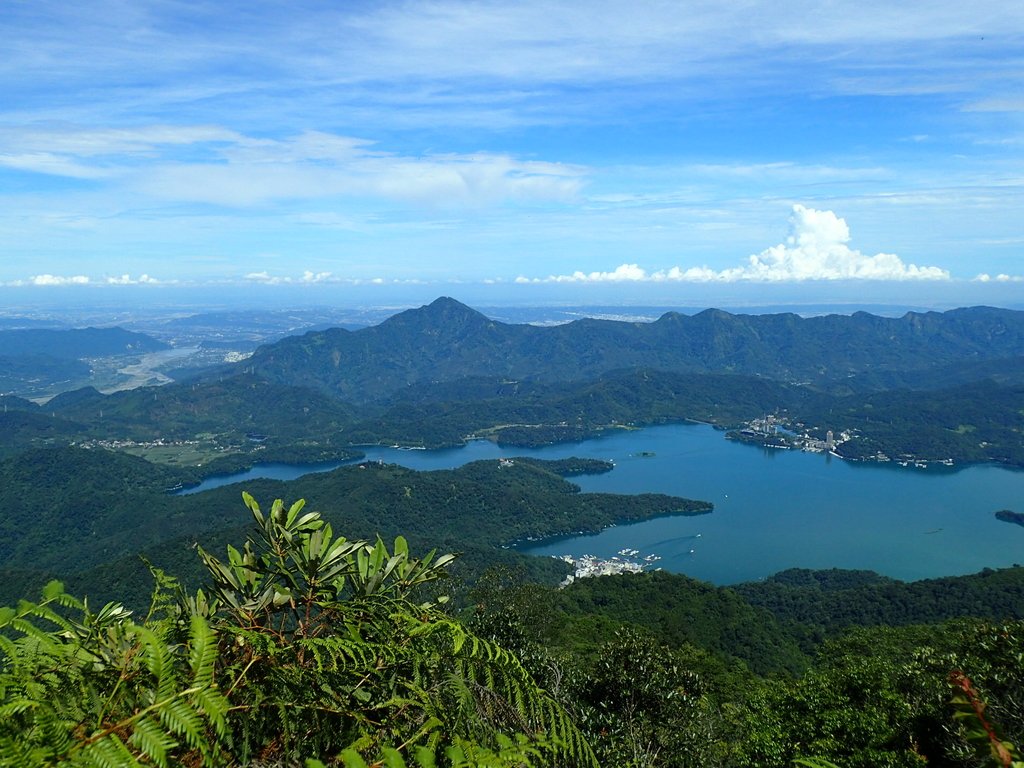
(933,386)
(448,341)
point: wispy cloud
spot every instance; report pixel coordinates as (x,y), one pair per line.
(230,169)
(816,249)
(493,58)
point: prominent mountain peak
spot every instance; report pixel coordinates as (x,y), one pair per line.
(447,306)
(444,311)
(446,302)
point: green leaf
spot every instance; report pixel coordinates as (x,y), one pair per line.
(53,590)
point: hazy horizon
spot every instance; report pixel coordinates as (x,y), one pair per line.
(78,305)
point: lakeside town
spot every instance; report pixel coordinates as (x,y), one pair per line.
(774,431)
(590,566)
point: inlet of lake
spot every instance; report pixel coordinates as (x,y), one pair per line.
(774,509)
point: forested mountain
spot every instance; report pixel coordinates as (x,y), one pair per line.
(975,422)
(236,405)
(433,376)
(21,372)
(82,508)
(28,429)
(447,341)
(76,343)
(1005,371)
(836,599)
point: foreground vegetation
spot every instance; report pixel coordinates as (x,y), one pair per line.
(306,645)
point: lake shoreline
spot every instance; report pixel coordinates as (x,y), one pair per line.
(773,510)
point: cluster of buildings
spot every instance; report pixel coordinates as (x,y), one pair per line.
(590,566)
(772,432)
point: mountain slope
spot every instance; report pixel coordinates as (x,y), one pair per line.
(447,340)
(76,343)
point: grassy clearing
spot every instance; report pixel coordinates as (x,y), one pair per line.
(181,455)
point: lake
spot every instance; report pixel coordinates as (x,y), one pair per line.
(773,509)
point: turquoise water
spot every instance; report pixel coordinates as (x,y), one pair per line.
(270,471)
(774,509)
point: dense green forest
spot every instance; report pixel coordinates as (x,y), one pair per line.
(86,513)
(306,645)
(650,669)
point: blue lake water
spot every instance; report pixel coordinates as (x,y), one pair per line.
(773,509)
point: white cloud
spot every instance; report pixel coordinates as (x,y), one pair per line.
(309,277)
(129,280)
(316,277)
(52,165)
(554,41)
(984,277)
(78,152)
(58,280)
(203,164)
(624,273)
(80,141)
(816,249)
(302,167)
(265,277)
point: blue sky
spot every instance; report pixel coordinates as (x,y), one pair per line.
(643,151)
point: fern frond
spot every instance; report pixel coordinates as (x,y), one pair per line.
(214,707)
(179,718)
(202,651)
(152,740)
(157,658)
(109,752)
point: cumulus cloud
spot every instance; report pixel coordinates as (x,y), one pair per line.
(58,280)
(816,249)
(265,277)
(309,277)
(315,277)
(984,277)
(129,280)
(622,274)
